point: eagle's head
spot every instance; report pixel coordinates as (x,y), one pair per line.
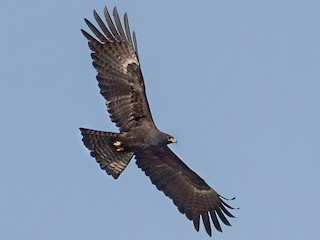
(171,139)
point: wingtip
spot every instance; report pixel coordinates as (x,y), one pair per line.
(87,21)
(196,223)
(115,10)
(85,34)
(95,14)
(105,10)
(228,199)
(83,31)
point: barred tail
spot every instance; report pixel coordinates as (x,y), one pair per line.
(102,149)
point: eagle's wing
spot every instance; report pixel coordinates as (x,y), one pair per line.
(189,192)
(116,60)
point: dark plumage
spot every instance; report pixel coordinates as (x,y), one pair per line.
(115,57)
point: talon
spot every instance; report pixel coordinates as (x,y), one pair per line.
(117,144)
(120,149)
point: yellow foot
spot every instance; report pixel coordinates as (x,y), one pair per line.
(117,144)
(120,149)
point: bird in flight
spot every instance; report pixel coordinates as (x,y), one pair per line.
(115,57)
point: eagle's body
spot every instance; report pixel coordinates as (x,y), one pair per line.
(115,57)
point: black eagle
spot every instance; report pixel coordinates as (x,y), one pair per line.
(115,57)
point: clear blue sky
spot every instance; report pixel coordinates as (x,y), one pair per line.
(236,82)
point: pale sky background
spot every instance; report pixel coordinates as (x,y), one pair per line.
(236,82)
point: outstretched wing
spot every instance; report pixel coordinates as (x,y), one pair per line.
(119,75)
(189,192)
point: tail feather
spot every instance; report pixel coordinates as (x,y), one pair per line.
(101,148)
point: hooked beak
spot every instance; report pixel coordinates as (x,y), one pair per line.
(172,140)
